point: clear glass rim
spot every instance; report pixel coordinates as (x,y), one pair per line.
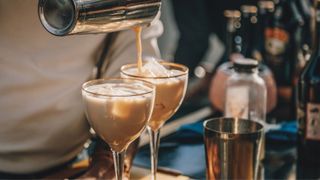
(123,80)
(184,70)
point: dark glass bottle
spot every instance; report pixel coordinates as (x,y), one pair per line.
(282,44)
(308,34)
(249,32)
(232,39)
(233,44)
(252,49)
(265,14)
(308,112)
(304,7)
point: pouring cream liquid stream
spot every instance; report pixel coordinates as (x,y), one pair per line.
(138,30)
(169,91)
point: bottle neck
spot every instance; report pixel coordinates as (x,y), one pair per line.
(278,13)
(317,29)
(229,37)
(232,26)
(248,33)
(264,21)
(314,64)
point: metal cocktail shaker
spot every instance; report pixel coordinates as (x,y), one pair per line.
(66,17)
(232,147)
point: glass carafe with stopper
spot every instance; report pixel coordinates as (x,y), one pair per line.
(246,92)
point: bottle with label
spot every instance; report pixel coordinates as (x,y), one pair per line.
(308,111)
(277,37)
(282,44)
(265,14)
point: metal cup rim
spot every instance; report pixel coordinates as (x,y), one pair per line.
(260,128)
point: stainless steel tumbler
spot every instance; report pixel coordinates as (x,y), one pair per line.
(65,17)
(232,148)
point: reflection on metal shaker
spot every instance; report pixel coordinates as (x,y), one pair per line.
(232,148)
(66,17)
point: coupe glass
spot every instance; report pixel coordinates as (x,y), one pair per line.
(118,110)
(170,92)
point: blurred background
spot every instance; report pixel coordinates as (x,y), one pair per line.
(207,36)
(168,42)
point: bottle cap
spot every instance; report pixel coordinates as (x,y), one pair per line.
(249,9)
(251,12)
(245,64)
(232,14)
(266,5)
(233,19)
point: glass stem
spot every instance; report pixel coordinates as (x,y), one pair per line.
(118,158)
(154,147)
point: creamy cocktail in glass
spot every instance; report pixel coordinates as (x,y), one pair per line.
(118,110)
(171,82)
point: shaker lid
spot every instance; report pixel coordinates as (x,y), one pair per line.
(245,64)
(57,16)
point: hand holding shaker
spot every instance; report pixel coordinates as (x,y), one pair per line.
(66,17)
(232,147)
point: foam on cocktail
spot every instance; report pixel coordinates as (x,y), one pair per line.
(118,89)
(152,68)
(119,113)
